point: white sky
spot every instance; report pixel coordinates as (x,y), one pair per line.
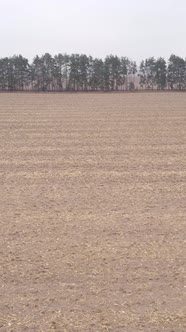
(134,28)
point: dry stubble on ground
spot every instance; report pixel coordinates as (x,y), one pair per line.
(92,211)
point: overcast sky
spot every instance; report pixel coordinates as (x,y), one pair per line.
(133,28)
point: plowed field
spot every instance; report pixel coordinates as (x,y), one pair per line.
(92,212)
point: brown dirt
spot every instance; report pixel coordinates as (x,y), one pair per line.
(92,203)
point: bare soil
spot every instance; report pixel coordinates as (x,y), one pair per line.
(93,207)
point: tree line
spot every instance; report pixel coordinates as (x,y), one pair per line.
(79,72)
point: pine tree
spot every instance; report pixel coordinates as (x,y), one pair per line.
(176,72)
(160,73)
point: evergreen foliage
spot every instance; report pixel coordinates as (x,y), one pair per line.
(79,72)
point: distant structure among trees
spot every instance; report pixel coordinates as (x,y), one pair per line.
(79,72)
